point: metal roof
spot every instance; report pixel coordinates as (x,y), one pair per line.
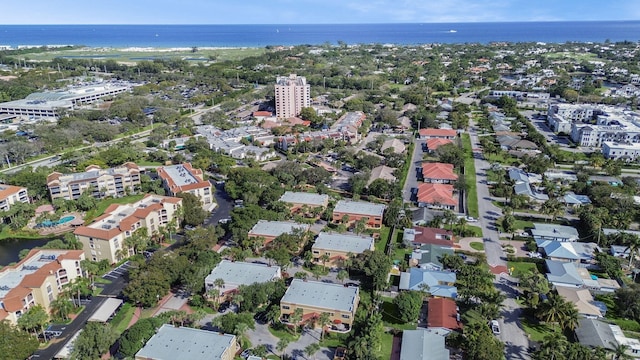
(359,207)
(275,228)
(343,242)
(322,295)
(239,273)
(422,344)
(183,343)
(305,198)
(105,310)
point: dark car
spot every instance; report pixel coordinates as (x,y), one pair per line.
(223,307)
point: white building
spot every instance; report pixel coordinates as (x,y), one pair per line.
(292,94)
(614,150)
(612,125)
(10,195)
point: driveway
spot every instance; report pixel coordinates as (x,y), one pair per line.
(412,177)
(465,244)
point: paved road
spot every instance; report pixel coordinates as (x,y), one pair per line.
(512,334)
(412,177)
(108,290)
(225,205)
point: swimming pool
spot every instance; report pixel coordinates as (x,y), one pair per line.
(63,220)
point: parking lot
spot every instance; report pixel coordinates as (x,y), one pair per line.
(118,272)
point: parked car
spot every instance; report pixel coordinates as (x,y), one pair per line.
(495,327)
(471,219)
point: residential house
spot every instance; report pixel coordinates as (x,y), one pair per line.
(541,231)
(442,314)
(436,196)
(10,195)
(574,200)
(577,252)
(523,188)
(338,247)
(36,280)
(396,146)
(582,300)
(382,172)
(434,143)
(632,344)
(518,175)
(185,343)
(567,274)
(419,235)
(298,201)
(269,230)
(237,273)
(438,173)
(106,237)
(620,251)
(611,180)
(436,283)
(422,216)
(356,210)
(102,182)
(595,334)
(315,298)
(427,134)
(508,142)
(422,344)
(429,256)
(184,178)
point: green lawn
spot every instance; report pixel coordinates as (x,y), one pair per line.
(522,267)
(122,319)
(381,242)
(284,334)
(7,233)
(386,346)
(475,230)
(470,177)
(476,245)
(104,204)
(537,332)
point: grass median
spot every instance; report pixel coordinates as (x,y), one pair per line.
(470,177)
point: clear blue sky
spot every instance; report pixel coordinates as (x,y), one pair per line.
(310,11)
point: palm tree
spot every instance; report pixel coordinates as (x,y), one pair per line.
(553,347)
(295,319)
(325,257)
(311,349)
(61,308)
(633,244)
(282,345)
(551,311)
(620,351)
(324,320)
(342,275)
(219,284)
(462,222)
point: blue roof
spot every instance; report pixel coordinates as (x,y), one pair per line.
(563,272)
(574,199)
(436,281)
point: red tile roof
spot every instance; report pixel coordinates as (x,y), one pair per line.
(442,313)
(262,113)
(429,193)
(435,143)
(438,132)
(439,171)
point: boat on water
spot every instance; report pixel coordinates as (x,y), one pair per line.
(453,31)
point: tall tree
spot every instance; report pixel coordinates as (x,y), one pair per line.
(16,344)
(94,341)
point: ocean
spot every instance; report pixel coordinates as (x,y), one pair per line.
(169,36)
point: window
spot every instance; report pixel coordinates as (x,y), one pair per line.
(286,307)
(346,316)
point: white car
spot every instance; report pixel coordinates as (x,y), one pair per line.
(471,219)
(495,327)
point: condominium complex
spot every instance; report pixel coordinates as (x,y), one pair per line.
(184,343)
(36,280)
(269,230)
(614,150)
(237,273)
(315,298)
(292,94)
(300,200)
(10,195)
(561,116)
(105,237)
(102,182)
(339,247)
(184,178)
(353,211)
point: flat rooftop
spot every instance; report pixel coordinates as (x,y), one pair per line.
(123,211)
(94,174)
(243,273)
(180,175)
(360,208)
(275,228)
(321,295)
(183,343)
(305,198)
(343,242)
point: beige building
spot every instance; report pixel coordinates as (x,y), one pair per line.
(338,247)
(103,182)
(105,237)
(315,298)
(10,195)
(184,178)
(183,343)
(356,210)
(299,201)
(36,280)
(292,94)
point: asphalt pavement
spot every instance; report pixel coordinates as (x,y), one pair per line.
(412,178)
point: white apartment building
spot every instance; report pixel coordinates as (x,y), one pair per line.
(184,178)
(10,195)
(560,117)
(614,150)
(105,237)
(612,125)
(103,182)
(292,94)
